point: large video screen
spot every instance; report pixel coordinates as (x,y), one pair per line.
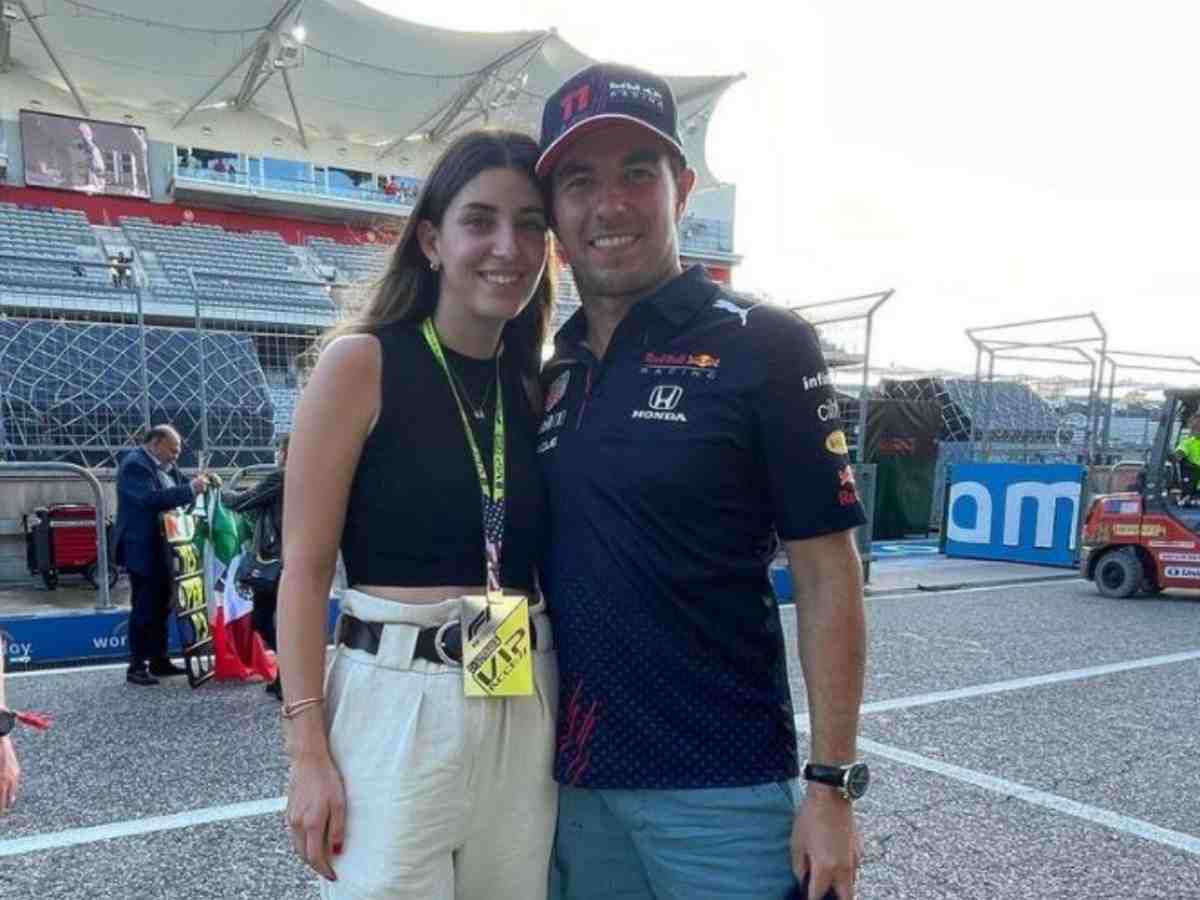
(85,155)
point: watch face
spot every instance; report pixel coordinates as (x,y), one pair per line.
(857,779)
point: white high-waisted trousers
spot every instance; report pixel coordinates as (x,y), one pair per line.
(447,797)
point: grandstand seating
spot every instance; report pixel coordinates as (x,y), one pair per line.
(354,262)
(48,257)
(1133,432)
(256,270)
(698,235)
(283,401)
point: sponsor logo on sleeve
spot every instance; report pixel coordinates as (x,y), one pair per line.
(1190,573)
(1175,545)
(828,411)
(836,443)
(730,307)
(661,404)
(820,380)
(848,490)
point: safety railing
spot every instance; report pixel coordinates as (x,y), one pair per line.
(106,602)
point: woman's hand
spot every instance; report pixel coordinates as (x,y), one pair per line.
(10,774)
(316,812)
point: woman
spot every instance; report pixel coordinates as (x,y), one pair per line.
(405,788)
(264,502)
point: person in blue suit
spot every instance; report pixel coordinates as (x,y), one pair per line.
(148,483)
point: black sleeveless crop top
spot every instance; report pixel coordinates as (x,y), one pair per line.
(414,516)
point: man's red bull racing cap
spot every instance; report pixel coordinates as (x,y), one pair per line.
(601,95)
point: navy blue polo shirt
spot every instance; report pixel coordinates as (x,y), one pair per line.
(709,427)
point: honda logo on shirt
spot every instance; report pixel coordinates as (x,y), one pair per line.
(663,400)
(665,397)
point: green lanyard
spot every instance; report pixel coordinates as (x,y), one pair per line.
(492,494)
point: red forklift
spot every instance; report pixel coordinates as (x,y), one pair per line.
(1148,539)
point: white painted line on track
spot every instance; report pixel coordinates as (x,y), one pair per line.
(1117,822)
(67,670)
(57,840)
(1018,684)
(980,589)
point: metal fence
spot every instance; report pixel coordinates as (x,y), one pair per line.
(86,362)
(845,328)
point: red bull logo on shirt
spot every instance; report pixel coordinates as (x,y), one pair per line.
(697,365)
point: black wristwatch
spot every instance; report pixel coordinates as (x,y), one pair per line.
(851,781)
(8,721)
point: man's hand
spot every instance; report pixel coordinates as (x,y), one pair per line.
(199,485)
(826,843)
(214,480)
(10,774)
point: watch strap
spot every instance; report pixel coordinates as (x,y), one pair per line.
(834,776)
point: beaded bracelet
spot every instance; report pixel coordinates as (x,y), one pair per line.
(291,710)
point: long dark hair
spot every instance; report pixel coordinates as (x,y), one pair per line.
(408,290)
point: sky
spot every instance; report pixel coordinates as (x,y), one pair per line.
(991,163)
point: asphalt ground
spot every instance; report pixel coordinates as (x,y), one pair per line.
(1027,741)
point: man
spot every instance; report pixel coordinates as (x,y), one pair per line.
(1188,453)
(683,429)
(148,483)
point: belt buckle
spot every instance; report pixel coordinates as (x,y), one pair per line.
(440,648)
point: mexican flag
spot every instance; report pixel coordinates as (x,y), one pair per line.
(239,653)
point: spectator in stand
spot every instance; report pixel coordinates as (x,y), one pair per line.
(193,163)
(220,166)
(125,268)
(391,188)
(232,172)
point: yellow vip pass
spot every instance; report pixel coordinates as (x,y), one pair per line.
(497,647)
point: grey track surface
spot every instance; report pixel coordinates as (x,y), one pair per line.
(1125,742)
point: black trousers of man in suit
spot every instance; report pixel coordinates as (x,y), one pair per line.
(262,616)
(150,602)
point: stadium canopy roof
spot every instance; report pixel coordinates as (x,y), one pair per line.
(359,75)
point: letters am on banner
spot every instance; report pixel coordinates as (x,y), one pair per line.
(186,566)
(1014,512)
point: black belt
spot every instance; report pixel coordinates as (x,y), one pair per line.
(360,635)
